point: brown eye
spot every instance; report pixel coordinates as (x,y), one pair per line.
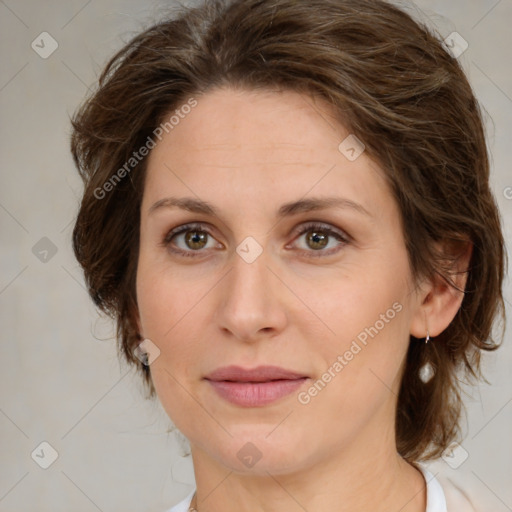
(189,240)
(317,239)
(321,239)
(196,239)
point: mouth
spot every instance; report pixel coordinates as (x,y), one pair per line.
(254,387)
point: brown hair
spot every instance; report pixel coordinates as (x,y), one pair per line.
(392,84)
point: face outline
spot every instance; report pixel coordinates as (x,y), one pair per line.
(285,308)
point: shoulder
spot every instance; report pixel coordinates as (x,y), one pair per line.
(456,499)
(183,505)
(444,495)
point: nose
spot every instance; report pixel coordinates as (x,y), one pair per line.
(252,299)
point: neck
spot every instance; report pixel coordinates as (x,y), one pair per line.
(368,475)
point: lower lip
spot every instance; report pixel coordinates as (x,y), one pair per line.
(255,394)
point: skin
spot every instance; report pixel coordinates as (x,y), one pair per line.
(247,153)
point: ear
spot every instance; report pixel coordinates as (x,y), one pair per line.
(438,301)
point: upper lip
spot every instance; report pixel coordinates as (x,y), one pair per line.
(258,374)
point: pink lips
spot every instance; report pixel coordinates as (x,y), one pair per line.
(254,387)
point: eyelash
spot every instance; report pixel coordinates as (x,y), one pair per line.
(311,226)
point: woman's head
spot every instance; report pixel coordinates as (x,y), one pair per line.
(248,107)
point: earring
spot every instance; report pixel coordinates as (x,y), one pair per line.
(427,371)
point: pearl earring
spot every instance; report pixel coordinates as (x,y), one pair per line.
(427,371)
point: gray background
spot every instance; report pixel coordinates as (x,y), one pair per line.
(61,381)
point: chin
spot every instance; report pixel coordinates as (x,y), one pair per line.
(255,452)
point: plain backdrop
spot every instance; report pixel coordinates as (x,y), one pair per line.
(61,382)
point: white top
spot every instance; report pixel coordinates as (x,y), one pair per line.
(446,498)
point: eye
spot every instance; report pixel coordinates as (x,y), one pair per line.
(322,239)
(189,240)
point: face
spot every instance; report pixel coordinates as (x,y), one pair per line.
(254,270)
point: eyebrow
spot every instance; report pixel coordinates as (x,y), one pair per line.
(288,209)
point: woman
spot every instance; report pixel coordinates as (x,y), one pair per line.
(287,211)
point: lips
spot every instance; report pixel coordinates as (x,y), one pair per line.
(259,374)
(254,387)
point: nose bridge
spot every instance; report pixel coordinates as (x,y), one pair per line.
(249,302)
(249,279)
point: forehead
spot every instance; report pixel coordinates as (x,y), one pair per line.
(248,143)
(227,120)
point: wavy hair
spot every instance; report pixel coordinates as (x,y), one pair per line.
(389,80)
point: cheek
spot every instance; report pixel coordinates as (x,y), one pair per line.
(171,307)
(370,319)
(165,312)
(361,371)
(161,306)
(163,297)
